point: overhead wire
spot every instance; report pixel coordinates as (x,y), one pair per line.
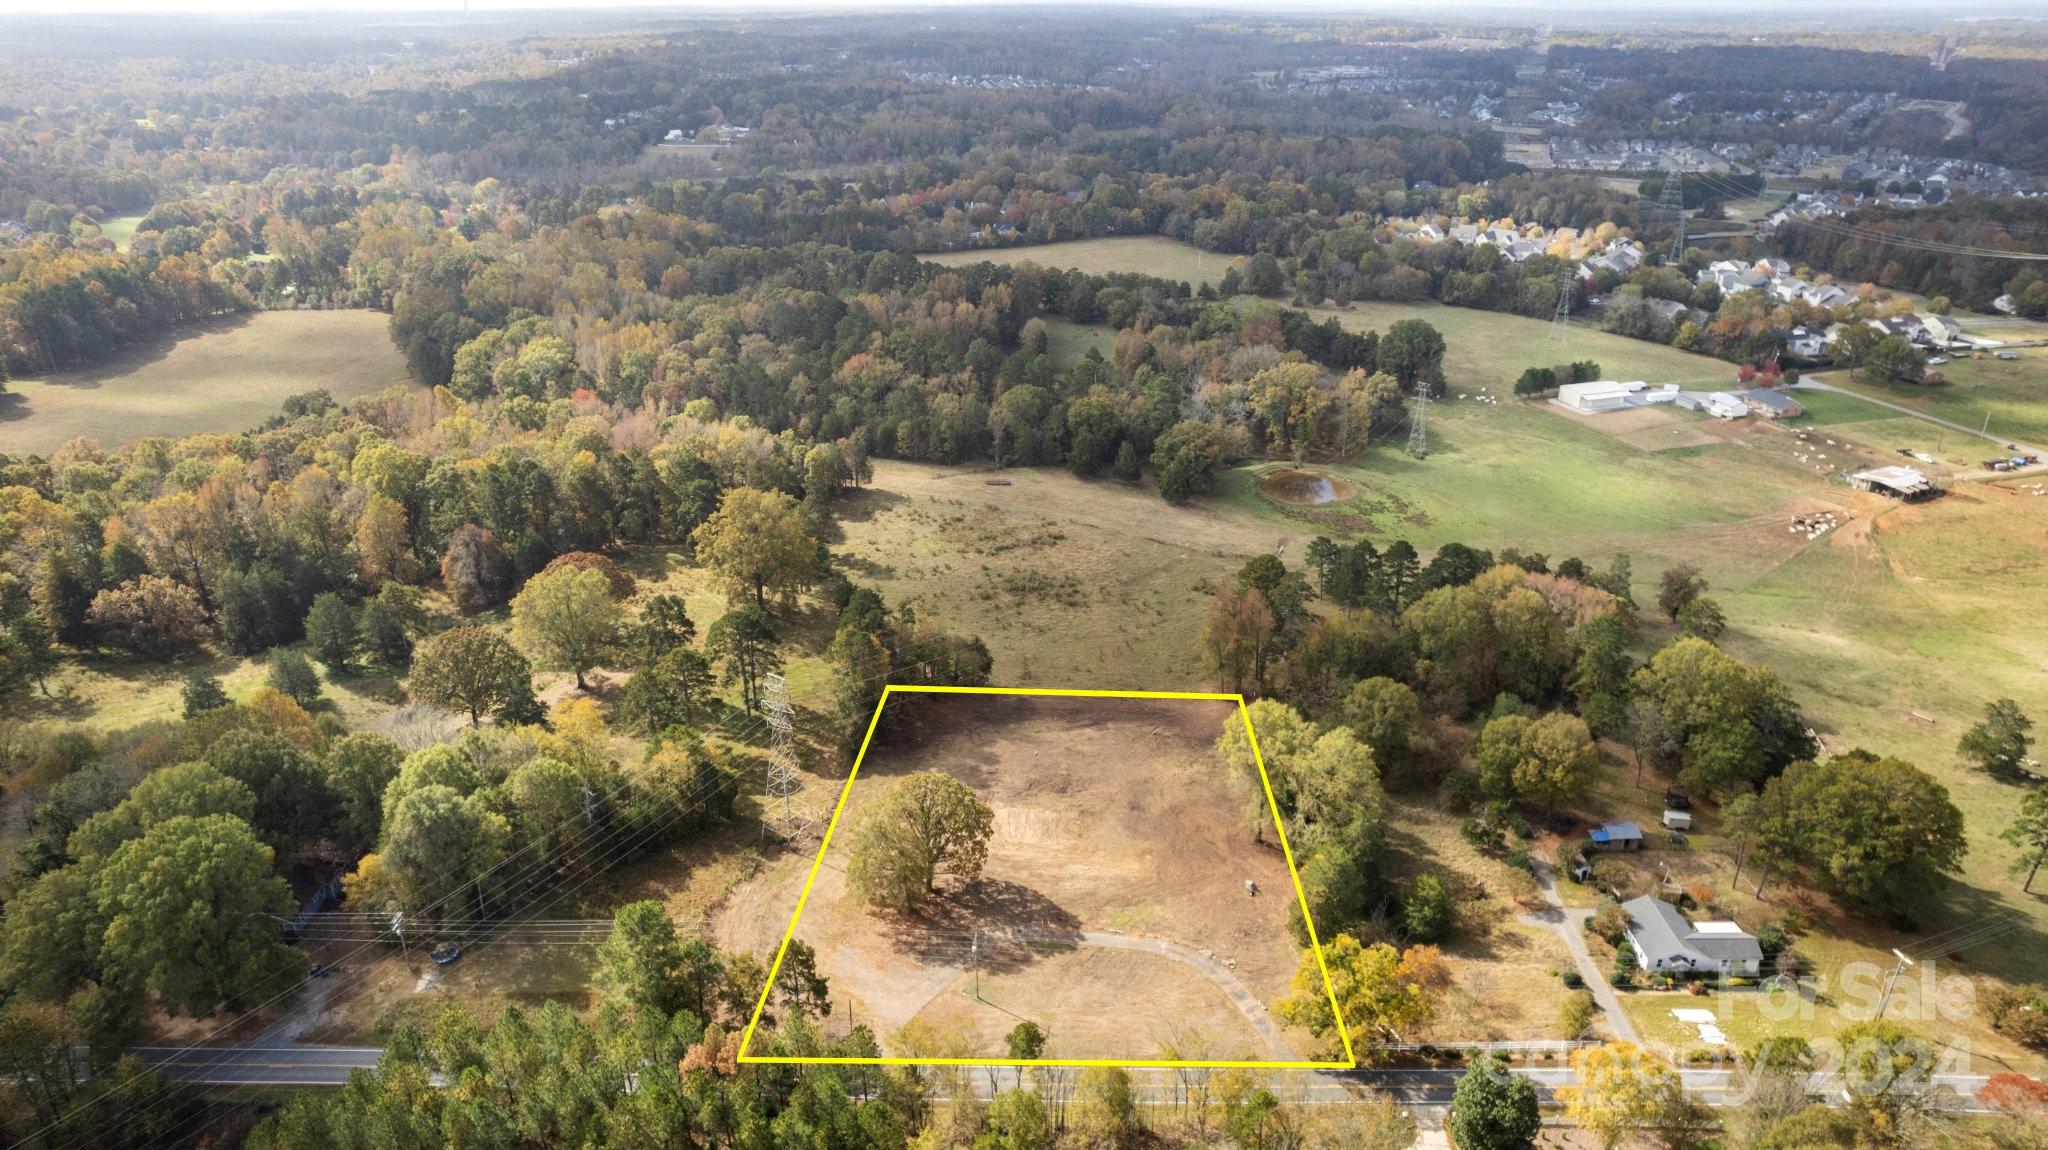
(756,725)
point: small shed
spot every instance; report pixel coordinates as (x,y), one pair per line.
(1903,483)
(1678,820)
(1617,837)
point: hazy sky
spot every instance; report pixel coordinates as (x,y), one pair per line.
(1936,9)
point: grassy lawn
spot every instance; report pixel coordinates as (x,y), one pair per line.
(2011,394)
(1504,973)
(1488,350)
(223,377)
(1845,955)
(1827,408)
(1148,255)
(121,230)
(1892,631)
(1068,342)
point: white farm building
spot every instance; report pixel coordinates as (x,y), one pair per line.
(1610,395)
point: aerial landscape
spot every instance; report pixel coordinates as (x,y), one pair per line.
(1013,577)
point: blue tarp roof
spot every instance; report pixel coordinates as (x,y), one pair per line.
(1614,831)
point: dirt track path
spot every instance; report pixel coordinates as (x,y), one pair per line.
(1246,1002)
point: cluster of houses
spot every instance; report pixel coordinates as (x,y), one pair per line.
(1932,333)
(1936,176)
(1633,155)
(995,81)
(1773,276)
(1621,255)
(711,134)
(1517,243)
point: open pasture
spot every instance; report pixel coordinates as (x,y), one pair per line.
(2006,397)
(1487,350)
(1158,256)
(224,377)
(1892,631)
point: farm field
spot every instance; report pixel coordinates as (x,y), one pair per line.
(1487,350)
(1145,255)
(994,551)
(2012,395)
(225,377)
(121,230)
(1112,910)
(1893,631)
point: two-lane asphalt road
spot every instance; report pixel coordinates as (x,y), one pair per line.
(1412,1086)
(260,1065)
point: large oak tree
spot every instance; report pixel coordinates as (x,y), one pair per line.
(924,824)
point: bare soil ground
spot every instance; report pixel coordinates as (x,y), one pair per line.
(1112,910)
(1644,428)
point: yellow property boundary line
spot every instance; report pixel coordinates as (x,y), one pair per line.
(1265,782)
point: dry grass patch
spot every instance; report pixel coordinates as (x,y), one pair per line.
(1112,908)
(222,377)
(1158,256)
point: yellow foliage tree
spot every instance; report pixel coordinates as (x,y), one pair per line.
(1379,992)
(1621,1087)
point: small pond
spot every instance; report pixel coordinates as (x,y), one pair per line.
(1301,485)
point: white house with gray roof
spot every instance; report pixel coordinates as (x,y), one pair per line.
(1666,942)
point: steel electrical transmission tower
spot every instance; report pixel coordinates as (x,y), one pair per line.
(778,799)
(1418,430)
(1672,205)
(1560,324)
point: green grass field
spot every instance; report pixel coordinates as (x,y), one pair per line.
(1488,350)
(1148,255)
(1067,342)
(2012,395)
(121,230)
(228,376)
(1892,631)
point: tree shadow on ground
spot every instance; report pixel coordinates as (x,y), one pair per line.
(88,377)
(996,924)
(865,568)
(375,686)
(861,504)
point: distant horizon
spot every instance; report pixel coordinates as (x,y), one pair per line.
(1922,11)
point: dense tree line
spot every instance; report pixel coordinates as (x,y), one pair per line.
(1887,249)
(61,307)
(1541,661)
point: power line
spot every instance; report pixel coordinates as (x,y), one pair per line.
(756,724)
(1671,204)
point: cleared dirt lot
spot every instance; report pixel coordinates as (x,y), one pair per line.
(1112,910)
